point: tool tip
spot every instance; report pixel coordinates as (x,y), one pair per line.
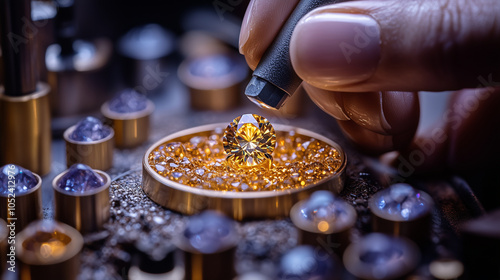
(265,94)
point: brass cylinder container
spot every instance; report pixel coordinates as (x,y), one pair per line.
(25,130)
(217,93)
(4,233)
(216,266)
(332,236)
(131,129)
(28,206)
(237,205)
(96,154)
(87,212)
(35,266)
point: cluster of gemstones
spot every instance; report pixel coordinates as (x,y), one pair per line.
(200,162)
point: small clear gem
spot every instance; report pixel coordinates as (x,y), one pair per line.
(128,101)
(249,141)
(209,232)
(23,178)
(80,178)
(90,129)
(401,202)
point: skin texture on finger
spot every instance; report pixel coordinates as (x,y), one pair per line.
(375,143)
(387,113)
(433,45)
(262,22)
(465,138)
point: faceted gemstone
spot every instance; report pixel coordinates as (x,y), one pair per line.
(209,232)
(23,178)
(401,202)
(80,178)
(249,141)
(90,129)
(128,101)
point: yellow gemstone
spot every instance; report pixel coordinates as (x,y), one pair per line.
(249,140)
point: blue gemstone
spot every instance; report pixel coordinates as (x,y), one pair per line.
(323,206)
(212,66)
(306,263)
(128,101)
(90,129)
(402,201)
(209,232)
(80,178)
(23,178)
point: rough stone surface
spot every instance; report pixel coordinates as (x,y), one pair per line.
(80,178)
(90,129)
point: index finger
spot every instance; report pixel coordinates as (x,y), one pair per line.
(262,22)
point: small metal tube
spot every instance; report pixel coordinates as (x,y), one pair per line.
(49,250)
(87,211)
(96,154)
(28,206)
(209,245)
(131,129)
(401,210)
(324,220)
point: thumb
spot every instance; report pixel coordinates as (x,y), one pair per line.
(398,45)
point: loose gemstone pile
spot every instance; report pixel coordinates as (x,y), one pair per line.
(23,178)
(128,101)
(90,129)
(200,162)
(80,178)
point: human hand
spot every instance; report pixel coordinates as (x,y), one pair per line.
(364,61)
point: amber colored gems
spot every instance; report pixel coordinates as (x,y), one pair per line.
(47,245)
(200,162)
(249,140)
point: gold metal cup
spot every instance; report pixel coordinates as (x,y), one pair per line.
(25,130)
(87,212)
(131,129)
(50,262)
(332,236)
(214,93)
(27,205)
(237,205)
(96,154)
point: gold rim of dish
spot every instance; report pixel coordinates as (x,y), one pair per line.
(239,205)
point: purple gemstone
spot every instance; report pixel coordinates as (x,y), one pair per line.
(23,178)
(128,101)
(90,129)
(80,178)
(209,232)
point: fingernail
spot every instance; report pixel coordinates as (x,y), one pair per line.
(335,49)
(245,28)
